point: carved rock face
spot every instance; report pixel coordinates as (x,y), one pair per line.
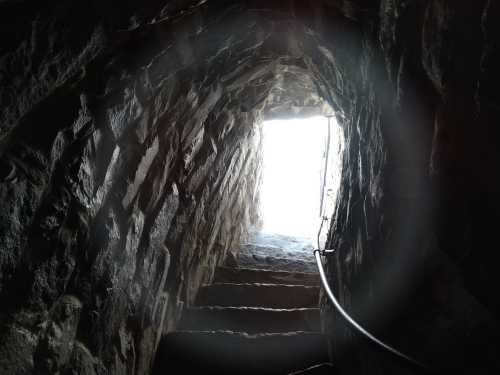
(130,150)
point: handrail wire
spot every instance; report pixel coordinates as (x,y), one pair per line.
(327,155)
(331,296)
(352,322)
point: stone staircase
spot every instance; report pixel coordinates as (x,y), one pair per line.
(250,321)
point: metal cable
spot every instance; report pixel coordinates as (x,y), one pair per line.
(326,286)
(352,322)
(327,155)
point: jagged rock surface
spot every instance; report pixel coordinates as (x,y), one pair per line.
(129,159)
(414,209)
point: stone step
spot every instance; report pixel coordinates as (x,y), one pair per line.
(251,319)
(278,296)
(253,275)
(320,369)
(276,263)
(221,352)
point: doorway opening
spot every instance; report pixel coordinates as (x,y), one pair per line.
(295,194)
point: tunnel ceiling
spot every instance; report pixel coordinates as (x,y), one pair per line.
(131,155)
(263,53)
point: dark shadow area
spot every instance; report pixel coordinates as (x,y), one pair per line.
(131,155)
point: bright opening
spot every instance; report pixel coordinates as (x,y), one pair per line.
(293,174)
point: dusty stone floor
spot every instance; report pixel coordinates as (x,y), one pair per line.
(277,252)
(253,318)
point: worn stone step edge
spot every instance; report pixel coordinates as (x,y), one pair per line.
(276,264)
(254,308)
(251,319)
(268,270)
(246,335)
(258,295)
(326,368)
(265,260)
(227,352)
(262,285)
(243,274)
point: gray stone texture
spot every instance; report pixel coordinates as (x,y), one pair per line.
(129,143)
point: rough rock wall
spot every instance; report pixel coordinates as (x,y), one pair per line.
(128,157)
(413,225)
(127,173)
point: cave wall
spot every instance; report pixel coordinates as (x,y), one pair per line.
(130,157)
(126,177)
(130,166)
(415,206)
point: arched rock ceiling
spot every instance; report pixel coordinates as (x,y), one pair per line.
(97,95)
(269,54)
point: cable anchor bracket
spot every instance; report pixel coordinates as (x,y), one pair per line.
(324,252)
